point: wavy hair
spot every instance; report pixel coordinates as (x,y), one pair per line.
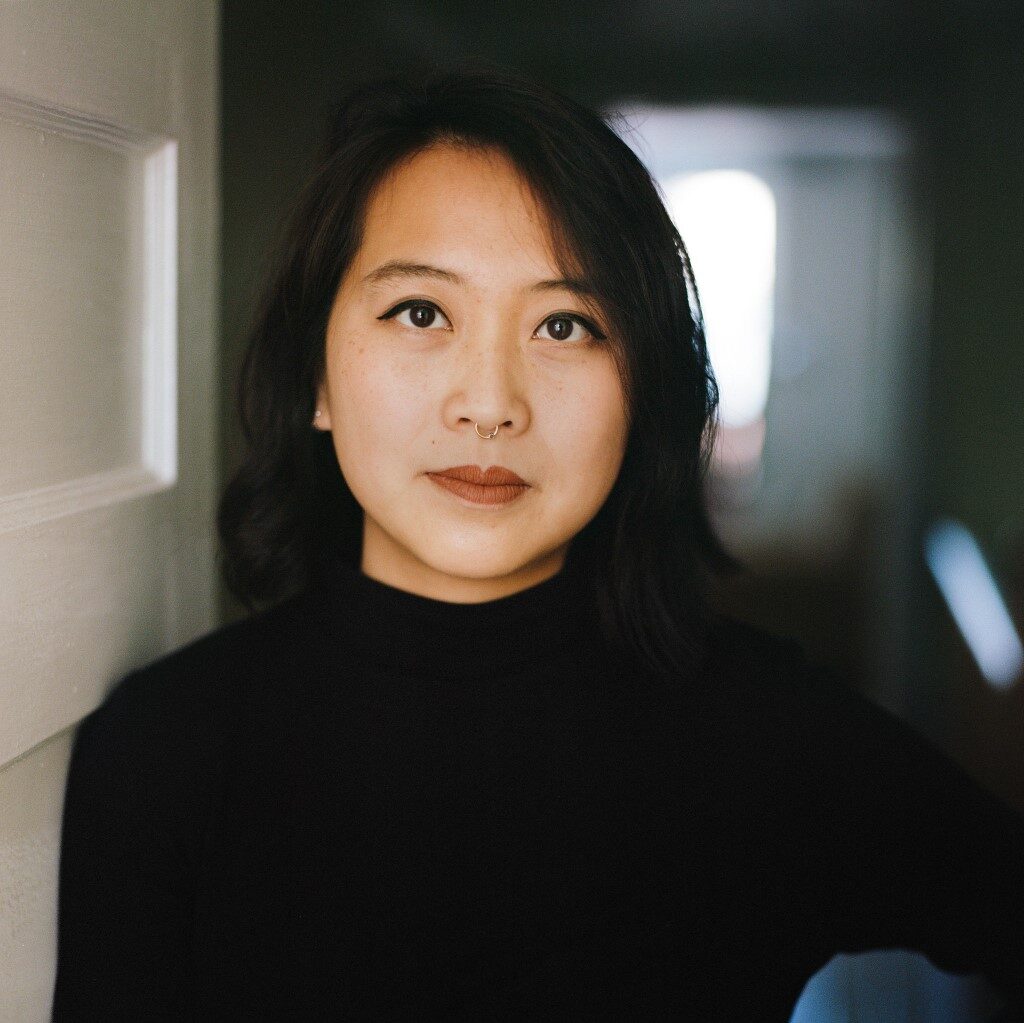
(651,547)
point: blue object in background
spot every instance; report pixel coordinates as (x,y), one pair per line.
(892,986)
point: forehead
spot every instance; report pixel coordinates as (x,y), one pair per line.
(465,202)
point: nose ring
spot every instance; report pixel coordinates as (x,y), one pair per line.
(486,436)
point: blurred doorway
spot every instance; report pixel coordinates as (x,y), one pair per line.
(808,251)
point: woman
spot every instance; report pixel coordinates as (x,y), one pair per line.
(484,752)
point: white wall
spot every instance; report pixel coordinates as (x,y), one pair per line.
(31,790)
(108,374)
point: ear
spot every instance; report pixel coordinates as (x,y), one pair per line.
(322,421)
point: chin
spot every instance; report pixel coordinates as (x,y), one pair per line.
(481,565)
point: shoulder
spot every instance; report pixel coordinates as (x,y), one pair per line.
(777,703)
(178,737)
(826,738)
(738,646)
(187,700)
(752,668)
(765,669)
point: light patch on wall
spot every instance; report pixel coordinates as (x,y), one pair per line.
(727,219)
(970,592)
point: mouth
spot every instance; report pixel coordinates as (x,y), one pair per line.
(495,486)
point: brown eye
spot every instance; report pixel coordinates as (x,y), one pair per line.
(422,315)
(417,313)
(560,327)
(568,327)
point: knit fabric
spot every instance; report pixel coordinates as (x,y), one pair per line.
(367,804)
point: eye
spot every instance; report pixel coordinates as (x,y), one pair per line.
(568,327)
(417,312)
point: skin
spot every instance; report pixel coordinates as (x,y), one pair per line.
(401,399)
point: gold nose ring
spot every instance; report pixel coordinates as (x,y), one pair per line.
(486,436)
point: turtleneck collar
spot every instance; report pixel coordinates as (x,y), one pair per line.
(439,639)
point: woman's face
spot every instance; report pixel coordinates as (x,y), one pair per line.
(452,316)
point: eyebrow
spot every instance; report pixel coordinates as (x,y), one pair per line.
(394,269)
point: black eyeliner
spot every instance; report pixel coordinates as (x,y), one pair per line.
(409,303)
(581,320)
(593,330)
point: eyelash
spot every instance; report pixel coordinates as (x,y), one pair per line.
(586,324)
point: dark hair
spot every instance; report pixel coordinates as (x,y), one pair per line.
(651,547)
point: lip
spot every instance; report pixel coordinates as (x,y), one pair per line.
(495,476)
(497,485)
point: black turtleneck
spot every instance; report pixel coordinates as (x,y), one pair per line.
(367,804)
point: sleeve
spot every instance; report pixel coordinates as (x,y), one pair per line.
(125,887)
(921,857)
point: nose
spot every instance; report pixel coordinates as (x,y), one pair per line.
(487,391)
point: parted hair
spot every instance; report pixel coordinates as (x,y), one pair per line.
(651,552)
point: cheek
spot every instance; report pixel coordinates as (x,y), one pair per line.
(378,409)
(590,424)
(387,380)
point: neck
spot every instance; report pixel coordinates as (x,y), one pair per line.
(438,638)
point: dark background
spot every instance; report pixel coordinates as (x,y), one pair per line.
(953,72)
